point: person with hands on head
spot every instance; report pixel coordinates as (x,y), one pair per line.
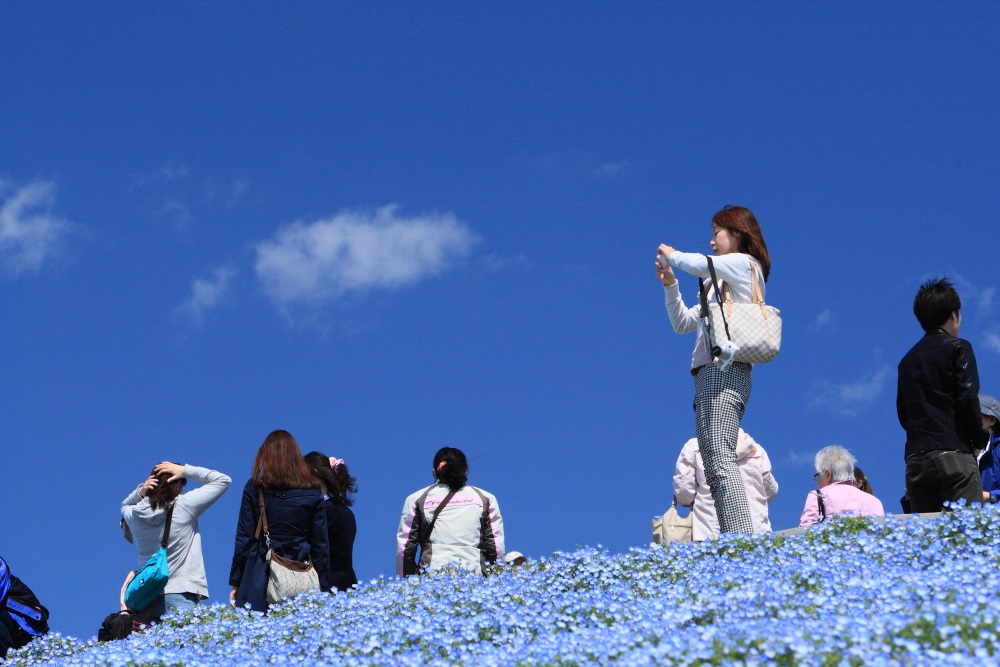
(144,512)
(721,396)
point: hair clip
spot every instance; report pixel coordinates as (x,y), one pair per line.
(334,462)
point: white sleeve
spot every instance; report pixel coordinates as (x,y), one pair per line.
(214,484)
(730,268)
(682,319)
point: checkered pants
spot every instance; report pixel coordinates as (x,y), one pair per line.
(719,402)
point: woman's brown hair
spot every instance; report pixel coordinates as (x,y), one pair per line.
(751,238)
(279,464)
(164,493)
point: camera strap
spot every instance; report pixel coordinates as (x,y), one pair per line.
(718,295)
(707,320)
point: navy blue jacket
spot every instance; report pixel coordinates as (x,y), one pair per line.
(297,524)
(937,395)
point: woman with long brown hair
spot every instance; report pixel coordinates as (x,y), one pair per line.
(295,516)
(741,259)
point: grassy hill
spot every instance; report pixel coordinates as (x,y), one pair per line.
(849,592)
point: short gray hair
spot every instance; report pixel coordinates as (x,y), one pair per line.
(838,461)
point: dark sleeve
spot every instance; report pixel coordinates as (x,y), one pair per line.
(967,394)
(409,546)
(246,526)
(319,543)
(900,402)
(490,551)
(487,545)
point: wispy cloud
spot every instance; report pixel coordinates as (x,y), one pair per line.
(822,319)
(496,263)
(358,251)
(992,341)
(974,295)
(849,398)
(227,194)
(177,212)
(30,233)
(166,173)
(207,294)
(986,299)
(610,169)
(800,459)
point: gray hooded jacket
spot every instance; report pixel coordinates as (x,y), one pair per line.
(184,559)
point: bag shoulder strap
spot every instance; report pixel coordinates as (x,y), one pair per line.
(166,526)
(262,520)
(434,517)
(821,506)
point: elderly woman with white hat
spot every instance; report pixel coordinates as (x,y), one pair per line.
(989,459)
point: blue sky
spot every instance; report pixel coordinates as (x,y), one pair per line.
(390,227)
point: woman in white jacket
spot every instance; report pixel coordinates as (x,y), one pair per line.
(452,522)
(721,396)
(691,488)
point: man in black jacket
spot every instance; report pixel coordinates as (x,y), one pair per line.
(937,401)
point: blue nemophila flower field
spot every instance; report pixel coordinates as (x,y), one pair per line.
(849,592)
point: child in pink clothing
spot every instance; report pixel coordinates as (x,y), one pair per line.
(837,493)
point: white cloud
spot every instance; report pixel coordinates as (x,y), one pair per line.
(974,295)
(30,234)
(178,212)
(496,263)
(992,341)
(610,169)
(850,397)
(168,172)
(356,251)
(799,459)
(822,319)
(206,294)
(986,299)
(227,194)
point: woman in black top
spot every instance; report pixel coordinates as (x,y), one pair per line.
(337,486)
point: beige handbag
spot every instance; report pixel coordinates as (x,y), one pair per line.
(672,527)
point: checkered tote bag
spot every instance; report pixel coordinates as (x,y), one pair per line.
(753,327)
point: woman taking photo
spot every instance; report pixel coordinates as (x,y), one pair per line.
(296,521)
(145,513)
(720,396)
(338,486)
(452,523)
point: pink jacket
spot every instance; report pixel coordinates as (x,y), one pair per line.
(690,486)
(840,497)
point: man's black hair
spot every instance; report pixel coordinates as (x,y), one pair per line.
(935,302)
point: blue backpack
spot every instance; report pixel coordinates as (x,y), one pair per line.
(20,610)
